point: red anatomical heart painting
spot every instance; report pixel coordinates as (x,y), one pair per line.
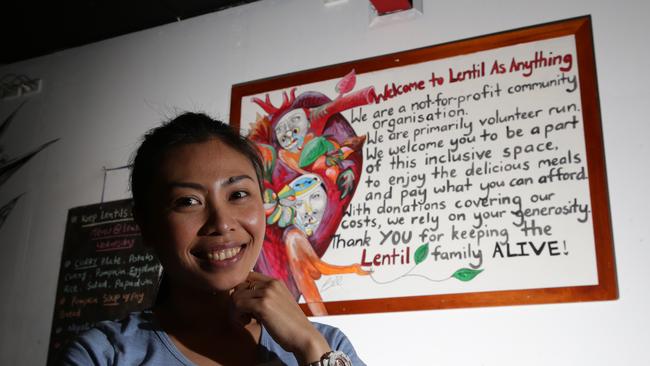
(313,161)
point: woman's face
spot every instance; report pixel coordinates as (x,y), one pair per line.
(207,219)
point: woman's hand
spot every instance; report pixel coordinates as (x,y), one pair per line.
(270,302)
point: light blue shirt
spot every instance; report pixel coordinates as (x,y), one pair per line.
(139,340)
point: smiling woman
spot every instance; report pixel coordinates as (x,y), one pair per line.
(197,198)
(206,220)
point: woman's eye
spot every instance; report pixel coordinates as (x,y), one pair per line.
(238,195)
(186,202)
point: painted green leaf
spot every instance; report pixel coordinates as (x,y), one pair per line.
(313,150)
(421,253)
(466,274)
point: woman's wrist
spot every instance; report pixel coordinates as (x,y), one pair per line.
(312,350)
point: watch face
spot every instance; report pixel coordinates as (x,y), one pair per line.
(338,358)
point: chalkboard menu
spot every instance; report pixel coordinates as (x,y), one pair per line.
(105,272)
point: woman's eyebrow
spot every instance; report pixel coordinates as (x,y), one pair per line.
(191,185)
(237,178)
(199,187)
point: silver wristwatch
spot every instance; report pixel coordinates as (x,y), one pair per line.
(333,358)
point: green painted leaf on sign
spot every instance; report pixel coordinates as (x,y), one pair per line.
(313,150)
(421,253)
(466,274)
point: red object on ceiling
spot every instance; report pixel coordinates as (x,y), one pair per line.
(391,6)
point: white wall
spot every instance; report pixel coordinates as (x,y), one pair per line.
(100,98)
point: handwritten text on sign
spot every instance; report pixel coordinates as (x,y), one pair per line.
(106,272)
(474,177)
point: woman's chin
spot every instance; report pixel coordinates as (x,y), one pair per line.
(226,286)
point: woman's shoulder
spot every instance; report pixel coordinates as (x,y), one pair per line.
(334,336)
(133,338)
(135,327)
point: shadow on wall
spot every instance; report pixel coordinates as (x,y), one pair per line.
(10,165)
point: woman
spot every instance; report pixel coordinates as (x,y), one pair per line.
(197,199)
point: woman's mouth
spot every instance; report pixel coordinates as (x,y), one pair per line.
(223,254)
(220,254)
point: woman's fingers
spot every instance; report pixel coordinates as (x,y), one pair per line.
(262,298)
(256,276)
(270,302)
(243,297)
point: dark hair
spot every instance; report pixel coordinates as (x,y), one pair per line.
(187,128)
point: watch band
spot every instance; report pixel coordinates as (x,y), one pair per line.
(333,358)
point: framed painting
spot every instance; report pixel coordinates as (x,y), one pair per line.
(465,174)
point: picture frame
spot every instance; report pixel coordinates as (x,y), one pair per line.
(559,51)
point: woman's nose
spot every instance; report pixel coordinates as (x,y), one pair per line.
(218,222)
